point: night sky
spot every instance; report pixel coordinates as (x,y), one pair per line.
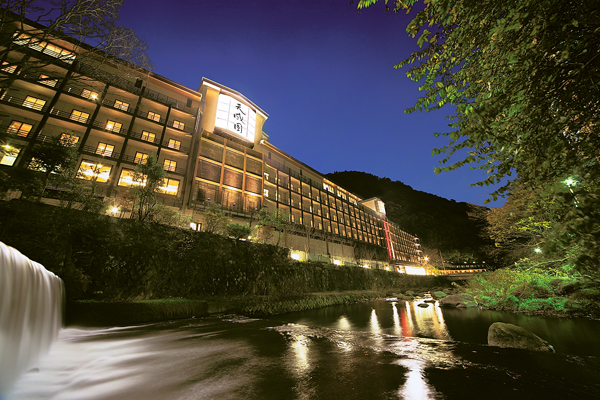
(321,70)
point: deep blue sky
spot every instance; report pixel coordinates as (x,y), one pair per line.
(321,70)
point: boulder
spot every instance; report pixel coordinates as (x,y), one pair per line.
(462,300)
(423,305)
(439,295)
(501,334)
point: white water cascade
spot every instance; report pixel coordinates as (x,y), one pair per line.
(31,307)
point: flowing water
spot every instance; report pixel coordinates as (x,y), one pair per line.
(374,350)
(30,313)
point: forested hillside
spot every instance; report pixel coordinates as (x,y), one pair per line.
(443,225)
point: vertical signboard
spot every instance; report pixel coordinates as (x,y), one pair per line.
(388,239)
(235,117)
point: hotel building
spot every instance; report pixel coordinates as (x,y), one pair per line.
(210,142)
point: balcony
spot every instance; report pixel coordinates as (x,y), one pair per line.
(180,171)
(150,115)
(173,125)
(100,152)
(110,127)
(80,117)
(144,137)
(112,103)
(23,132)
(172,146)
(26,102)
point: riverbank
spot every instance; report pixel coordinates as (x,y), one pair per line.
(102,313)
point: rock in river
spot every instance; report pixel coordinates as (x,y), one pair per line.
(508,335)
(459,300)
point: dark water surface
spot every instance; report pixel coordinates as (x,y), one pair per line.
(375,350)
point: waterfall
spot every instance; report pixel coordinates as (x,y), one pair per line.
(31,306)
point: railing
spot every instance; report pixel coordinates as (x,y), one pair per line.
(137,135)
(180,148)
(17,132)
(100,152)
(111,103)
(174,169)
(144,114)
(69,115)
(184,129)
(115,129)
(24,103)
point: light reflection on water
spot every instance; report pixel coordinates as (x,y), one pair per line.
(372,350)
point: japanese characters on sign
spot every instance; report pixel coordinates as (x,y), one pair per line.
(236,117)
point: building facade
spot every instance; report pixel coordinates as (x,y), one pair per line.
(210,142)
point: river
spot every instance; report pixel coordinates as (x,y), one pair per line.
(373,350)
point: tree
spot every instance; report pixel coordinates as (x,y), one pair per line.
(274,221)
(521,77)
(215,219)
(88,28)
(148,179)
(56,157)
(238,231)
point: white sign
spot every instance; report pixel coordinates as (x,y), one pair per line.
(235,117)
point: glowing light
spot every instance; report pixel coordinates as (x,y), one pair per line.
(193,225)
(415,270)
(365,266)
(538,250)
(296,256)
(570,182)
(114,210)
(337,262)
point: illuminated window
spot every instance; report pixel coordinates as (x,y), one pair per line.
(127,178)
(45,47)
(171,186)
(170,165)
(174,144)
(10,156)
(88,94)
(90,170)
(19,128)
(72,139)
(121,105)
(140,158)
(113,126)
(58,52)
(178,125)
(148,136)
(105,150)
(153,116)
(45,80)
(79,116)
(9,69)
(266,192)
(35,103)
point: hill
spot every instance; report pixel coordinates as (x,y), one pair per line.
(442,225)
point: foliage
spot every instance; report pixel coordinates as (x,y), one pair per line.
(120,259)
(238,231)
(90,25)
(168,216)
(525,287)
(57,158)
(215,219)
(148,179)
(522,83)
(268,222)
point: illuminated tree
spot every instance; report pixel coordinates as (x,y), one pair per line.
(89,26)
(148,179)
